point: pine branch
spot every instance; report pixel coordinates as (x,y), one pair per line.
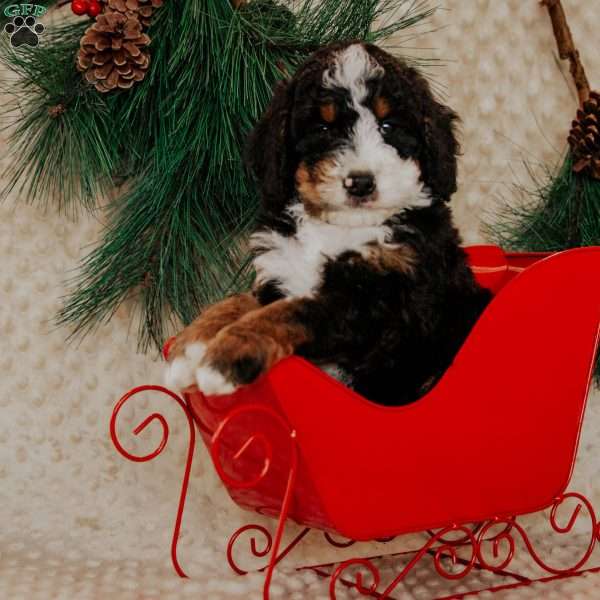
(170,262)
(541,216)
(66,157)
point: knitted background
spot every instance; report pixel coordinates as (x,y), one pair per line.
(78,521)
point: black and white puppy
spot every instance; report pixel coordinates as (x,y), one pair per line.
(358,264)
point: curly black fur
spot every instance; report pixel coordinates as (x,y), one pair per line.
(395,335)
(393,330)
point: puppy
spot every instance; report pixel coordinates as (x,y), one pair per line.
(358,265)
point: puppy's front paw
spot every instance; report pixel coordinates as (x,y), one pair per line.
(212,382)
(181,371)
(234,359)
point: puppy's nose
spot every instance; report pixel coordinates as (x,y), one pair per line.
(360,184)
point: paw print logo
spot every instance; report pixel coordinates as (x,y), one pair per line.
(24,31)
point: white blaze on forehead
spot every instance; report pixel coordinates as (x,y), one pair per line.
(398,181)
(352,68)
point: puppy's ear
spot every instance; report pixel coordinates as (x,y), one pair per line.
(268,152)
(441,149)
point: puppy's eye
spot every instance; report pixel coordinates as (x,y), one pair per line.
(386,127)
(320,128)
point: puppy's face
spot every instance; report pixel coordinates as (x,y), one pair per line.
(357,146)
(356,136)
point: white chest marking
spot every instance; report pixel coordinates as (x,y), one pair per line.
(296,262)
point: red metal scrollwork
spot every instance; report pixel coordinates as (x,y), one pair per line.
(443,551)
(254,548)
(508,537)
(262,440)
(348,543)
(337,544)
(502,544)
(161,446)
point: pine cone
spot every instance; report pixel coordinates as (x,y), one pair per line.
(113,52)
(584,138)
(142,9)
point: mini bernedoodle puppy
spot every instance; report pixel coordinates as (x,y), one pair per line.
(358,264)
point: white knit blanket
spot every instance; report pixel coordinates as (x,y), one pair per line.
(77,521)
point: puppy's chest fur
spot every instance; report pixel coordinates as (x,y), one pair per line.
(295,263)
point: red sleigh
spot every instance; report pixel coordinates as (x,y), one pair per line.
(495,438)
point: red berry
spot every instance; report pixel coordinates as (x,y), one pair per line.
(94,9)
(80,7)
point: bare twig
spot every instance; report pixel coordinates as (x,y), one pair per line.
(566,47)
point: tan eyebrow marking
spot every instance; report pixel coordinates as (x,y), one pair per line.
(328,112)
(381,107)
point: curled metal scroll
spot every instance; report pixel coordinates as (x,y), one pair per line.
(256,551)
(479,540)
(265,444)
(507,537)
(440,552)
(161,446)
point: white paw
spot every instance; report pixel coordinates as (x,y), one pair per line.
(180,373)
(212,383)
